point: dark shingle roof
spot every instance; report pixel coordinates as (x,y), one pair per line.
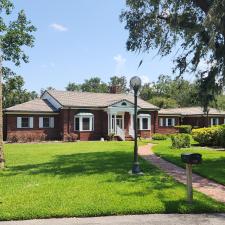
(189,111)
(88,99)
(36,105)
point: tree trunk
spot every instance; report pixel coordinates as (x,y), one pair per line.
(2,160)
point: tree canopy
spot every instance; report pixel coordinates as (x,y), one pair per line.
(14,91)
(195,30)
(16,32)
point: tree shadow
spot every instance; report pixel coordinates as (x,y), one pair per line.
(115,162)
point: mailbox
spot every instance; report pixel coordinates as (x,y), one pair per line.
(191,158)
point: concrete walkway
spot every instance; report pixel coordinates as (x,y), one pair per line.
(153,219)
(206,186)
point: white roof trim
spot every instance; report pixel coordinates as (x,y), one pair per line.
(84,114)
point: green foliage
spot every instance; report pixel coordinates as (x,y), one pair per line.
(120,82)
(169,93)
(181,141)
(163,102)
(210,136)
(73,87)
(14,35)
(196,28)
(94,84)
(14,91)
(185,129)
(159,137)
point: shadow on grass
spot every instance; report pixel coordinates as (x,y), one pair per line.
(117,163)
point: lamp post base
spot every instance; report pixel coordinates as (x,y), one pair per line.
(136,169)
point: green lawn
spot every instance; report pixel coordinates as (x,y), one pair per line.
(87,179)
(212,167)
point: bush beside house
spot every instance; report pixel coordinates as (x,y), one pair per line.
(184,129)
(159,137)
(181,141)
(210,136)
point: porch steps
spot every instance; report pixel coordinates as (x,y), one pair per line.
(127,138)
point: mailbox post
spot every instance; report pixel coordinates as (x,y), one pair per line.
(190,159)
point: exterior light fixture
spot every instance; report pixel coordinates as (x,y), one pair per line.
(135,84)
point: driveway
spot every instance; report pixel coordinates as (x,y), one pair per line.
(153,219)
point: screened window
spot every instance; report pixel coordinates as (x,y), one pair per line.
(46,122)
(144,122)
(167,122)
(84,122)
(214,121)
(24,122)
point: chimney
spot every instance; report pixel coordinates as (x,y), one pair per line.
(115,89)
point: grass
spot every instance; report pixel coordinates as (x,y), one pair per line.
(87,179)
(212,167)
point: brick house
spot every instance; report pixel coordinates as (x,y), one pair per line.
(89,115)
(194,116)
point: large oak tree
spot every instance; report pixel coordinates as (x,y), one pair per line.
(14,35)
(194,30)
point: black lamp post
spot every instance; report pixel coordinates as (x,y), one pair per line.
(135,83)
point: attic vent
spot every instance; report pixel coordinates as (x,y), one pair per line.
(124,104)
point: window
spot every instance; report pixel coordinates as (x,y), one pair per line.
(46,122)
(214,121)
(124,104)
(144,122)
(84,122)
(24,122)
(167,122)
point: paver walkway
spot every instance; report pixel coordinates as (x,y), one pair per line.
(206,186)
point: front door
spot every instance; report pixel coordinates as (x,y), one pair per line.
(119,122)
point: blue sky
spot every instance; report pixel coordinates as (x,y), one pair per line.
(76,40)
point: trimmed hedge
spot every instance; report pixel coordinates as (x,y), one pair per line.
(210,136)
(159,137)
(181,141)
(184,129)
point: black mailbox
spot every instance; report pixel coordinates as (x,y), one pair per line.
(191,158)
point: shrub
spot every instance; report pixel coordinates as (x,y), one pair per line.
(184,129)
(70,137)
(208,136)
(181,141)
(12,138)
(159,137)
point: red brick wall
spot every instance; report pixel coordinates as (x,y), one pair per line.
(100,124)
(168,130)
(10,127)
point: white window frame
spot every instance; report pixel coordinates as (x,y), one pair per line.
(161,121)
(80,117)
(30,122)
(141,117)
(51,122)
(217,121)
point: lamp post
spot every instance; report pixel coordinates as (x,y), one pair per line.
(135,84)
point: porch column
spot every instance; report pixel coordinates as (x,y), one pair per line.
(115,126)
(132,121)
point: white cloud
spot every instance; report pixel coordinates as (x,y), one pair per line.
(120,63)
(145,79)
(58,27)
